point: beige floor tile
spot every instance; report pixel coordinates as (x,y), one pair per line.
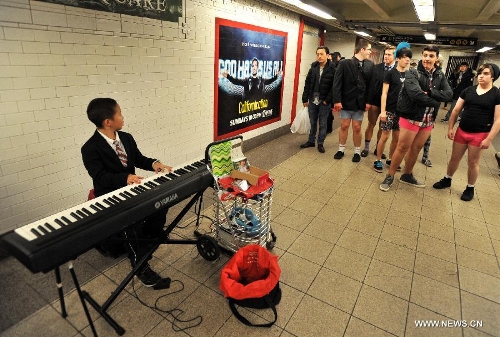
(467,210)
(471,226)
(474,241)
(437,203)
(403,220)
(436,269)
(212,307)
(373,196)
(316,194)
(480,284)
(297,272)
(480,309)
(311,248)
(478,261)
(437,230)
(418,316)
(306,206)
(340,216)
(365,225)
(381,309)
(233,327)
(348,263)
(316,318)
(496,247)
(53,325)
(197,268)
(300,181)
(435,296)
(399,236)
(358,242)
(445,218)
(390,279)
(437,248)
(166,329)
(473,332)
(405,207)
(294,219)
(285,235)
(494,231)
(130,317)
(284,198)
(372,211)
(395,255)
(358,328)
(324,230)
(335,289)
(491,218)
(340,202)
(351,192)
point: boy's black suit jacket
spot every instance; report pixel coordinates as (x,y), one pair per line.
(104,166)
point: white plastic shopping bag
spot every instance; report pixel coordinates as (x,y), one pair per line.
(301,124)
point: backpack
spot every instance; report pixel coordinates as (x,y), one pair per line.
(405,103)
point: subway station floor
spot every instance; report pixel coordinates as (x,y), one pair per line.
(355,261)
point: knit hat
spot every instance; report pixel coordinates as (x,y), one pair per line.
(496,70)
(401,45)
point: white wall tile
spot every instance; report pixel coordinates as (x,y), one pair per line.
(19,118)
(10,14)
(49,18)
(35,47)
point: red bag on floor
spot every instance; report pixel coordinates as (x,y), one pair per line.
(251,279)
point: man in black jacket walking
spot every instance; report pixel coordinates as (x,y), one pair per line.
(317,97)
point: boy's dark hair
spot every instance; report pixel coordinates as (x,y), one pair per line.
(327,51)
(405,52)
(335,54)
(100,109)
(362,43)
(464,64)
(431,47)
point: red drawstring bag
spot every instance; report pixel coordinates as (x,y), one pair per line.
(251,279)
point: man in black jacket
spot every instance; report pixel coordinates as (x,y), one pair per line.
(459,82)
(423,91)
(350,94)
(317,97)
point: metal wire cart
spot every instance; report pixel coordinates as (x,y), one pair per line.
(242,213)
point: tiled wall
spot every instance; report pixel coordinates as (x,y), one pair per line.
(54,59)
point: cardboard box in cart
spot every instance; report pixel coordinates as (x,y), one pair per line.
(255,177)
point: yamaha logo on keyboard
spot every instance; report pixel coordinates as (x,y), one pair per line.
(166,200)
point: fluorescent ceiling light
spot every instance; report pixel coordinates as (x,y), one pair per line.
(424,10)
(310,9)
(430,36)
(482,50)
(362,33)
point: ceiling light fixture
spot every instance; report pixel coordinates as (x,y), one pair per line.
(311,8)
(363,32)
(484,49)
(429,36)
(424,10)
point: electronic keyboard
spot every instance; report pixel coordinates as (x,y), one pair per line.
(47,243)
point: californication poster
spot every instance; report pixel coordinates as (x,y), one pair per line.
(249,64)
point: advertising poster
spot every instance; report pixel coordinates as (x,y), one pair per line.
(249,64)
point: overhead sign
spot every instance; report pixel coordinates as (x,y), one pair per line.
(440,40)
(166,10)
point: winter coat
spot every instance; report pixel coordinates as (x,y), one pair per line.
(325,83)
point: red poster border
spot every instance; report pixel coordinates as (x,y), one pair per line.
(224,22)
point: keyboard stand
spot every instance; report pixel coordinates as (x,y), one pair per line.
(60,292)
(101,309)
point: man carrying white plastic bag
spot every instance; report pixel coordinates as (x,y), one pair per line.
(301,124)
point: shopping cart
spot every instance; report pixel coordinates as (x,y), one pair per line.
(242,213)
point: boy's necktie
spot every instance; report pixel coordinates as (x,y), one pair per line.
(121,154)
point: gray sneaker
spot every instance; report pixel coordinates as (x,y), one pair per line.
(409,179)
(387,183)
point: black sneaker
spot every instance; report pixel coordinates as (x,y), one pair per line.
(148,277)
(468,194)
(306,145)
(409,179)
(443,183)
(388,163)
(356,158)
(364,153)
(338,155)
(321,148)
(497,157)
